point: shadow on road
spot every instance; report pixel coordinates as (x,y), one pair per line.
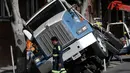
(123,71)
(7,71)
(126,60)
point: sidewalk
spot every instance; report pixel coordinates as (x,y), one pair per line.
(8,68)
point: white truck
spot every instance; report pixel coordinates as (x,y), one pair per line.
(75,34)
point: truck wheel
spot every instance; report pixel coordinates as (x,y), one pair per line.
(100,46)
(114,41)
(99,51)
(111,48)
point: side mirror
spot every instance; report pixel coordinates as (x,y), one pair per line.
(27,34)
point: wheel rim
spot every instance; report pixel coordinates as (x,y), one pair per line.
(103,46)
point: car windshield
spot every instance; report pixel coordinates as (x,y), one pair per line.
(46,14)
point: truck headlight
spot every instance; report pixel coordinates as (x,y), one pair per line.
(81,30)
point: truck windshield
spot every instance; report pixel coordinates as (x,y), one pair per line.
(46,14)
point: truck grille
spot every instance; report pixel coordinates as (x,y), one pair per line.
(58,30)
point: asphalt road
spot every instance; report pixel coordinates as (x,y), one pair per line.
(117,67)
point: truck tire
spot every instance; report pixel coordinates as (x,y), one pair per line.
(100,46)
(114,41)
(99,51)
(111,48)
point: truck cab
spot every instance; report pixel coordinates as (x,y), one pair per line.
(59,19)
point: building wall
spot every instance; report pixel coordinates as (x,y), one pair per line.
(6,39)
(27,9)
(3,12)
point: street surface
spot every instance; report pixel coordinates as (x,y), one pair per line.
(117,67)
(114,67)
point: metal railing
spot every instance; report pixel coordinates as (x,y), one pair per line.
(12,58)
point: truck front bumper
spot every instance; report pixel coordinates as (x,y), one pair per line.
(79,45)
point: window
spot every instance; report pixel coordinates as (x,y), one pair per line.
(46,14)
(3,11)
(32,7)
(0,8)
